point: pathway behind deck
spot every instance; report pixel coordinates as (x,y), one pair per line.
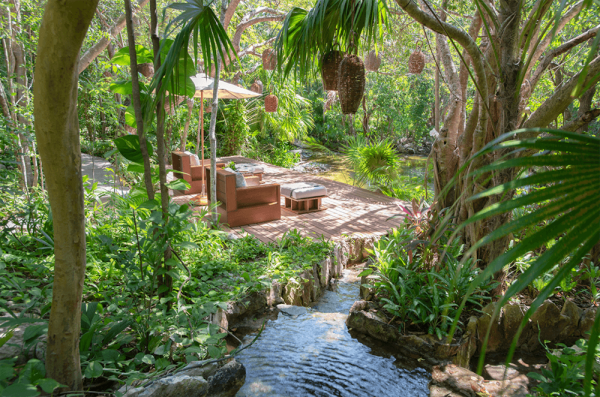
(351,211)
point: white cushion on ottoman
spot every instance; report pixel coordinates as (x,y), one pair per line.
(302,190)
(250,168)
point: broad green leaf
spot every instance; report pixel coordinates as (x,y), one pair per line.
(214,351)
(179,184)
(129,147)
(143,55)
(48,385)
(93,370)
(148,359)
(20,390)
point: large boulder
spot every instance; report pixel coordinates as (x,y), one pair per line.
(228,380)
(179,385)
(547,323)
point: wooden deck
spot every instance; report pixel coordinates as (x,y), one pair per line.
(351,211)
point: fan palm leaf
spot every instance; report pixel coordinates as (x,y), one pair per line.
(567,201)
(198,22)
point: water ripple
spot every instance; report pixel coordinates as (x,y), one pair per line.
(314,355)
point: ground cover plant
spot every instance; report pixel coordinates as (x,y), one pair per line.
(134,327)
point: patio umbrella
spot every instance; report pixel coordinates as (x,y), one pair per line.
(204,89)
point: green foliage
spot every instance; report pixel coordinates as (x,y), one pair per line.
(415,290)
(566,372)
(233,129)
(373,162)
(568,201)
(307,35)
(131,326)
(272,152)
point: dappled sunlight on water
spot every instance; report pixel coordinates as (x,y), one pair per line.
(313,354)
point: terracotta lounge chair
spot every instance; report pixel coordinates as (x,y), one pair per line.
(241,206)
(192,173)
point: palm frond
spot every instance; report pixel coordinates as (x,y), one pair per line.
(306,35)
(564,194)
(200,23)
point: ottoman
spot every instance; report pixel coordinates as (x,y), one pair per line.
(303,197)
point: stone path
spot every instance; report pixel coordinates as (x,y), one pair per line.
(96,168)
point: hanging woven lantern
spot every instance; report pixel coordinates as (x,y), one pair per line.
(208,107)
(257,87)
(372,61)
(416,61)
(146,69)
(351,83)
(330,65)
(271,103)
(269,59)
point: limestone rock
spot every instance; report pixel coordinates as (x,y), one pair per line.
(573,314)
(204,371)
(15,346)
(586,322)
(550,323)
(275,292)
(227,381)
(325,273)
(292,293)
(173,386)
(498,372)
(496,340)
(292,310)
(512,317)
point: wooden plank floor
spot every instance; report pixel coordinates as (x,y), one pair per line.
(351,211)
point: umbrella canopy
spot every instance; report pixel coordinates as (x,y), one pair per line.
(204,90)
(204,87)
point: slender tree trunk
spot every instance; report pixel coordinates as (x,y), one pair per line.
(213,123)
(63,28)
(160,141)
(184,135)
(137,105)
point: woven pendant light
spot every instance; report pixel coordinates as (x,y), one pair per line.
(416,61)
(208,107)
(351,83)
(330,66)
(372,61)
(257,87)
(269,59)
(271,103)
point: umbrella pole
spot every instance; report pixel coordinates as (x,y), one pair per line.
(203,198)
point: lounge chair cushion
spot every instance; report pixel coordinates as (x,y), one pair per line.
(194,160)
(250,168)
(302,190)
(239,178)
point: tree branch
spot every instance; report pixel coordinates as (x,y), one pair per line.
(96,49)
(249,20)
(581,120)
(541,48)
(547,60)
(252,49)
(561,98)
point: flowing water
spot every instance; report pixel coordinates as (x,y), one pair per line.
(310,352)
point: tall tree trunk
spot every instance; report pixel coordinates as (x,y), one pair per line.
(160,140)
(63,28)
(137,105)
(213,123)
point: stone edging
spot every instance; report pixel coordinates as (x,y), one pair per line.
(548,323)
(304,293)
